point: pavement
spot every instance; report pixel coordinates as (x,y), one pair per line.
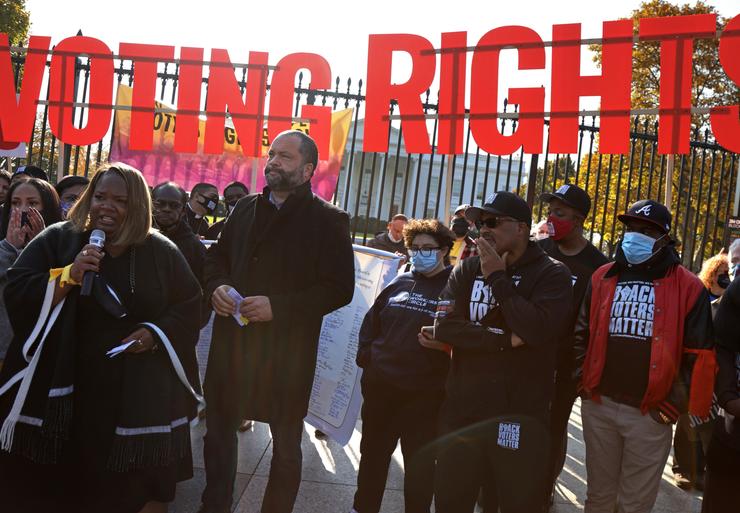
(330,476)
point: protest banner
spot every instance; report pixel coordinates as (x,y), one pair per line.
(336,396)
(163,163)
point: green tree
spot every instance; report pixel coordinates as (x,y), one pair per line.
(15,21)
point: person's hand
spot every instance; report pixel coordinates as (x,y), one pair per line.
(35,223)
(144,341)
(490,260)
(222,302)
(426,340)
(87,260)
(16,234)
(256,308)
(403,259)
(733,407)
(516,341)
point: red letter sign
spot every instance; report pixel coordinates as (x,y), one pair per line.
(452,93)
(61,90)
(282,90)
(484,92)
(145,59)
(223,92)
(190,79)
(18,116)
(380,91)
(676,35)
(726,120)
(613,86)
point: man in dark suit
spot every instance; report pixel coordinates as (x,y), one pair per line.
(288,254)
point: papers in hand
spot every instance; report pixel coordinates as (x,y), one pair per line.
(119,349)
(239,318)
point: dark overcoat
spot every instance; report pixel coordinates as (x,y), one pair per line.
(299,256)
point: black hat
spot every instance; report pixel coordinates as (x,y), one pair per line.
(650,211)
(33,172)
(502,204)
(571,195)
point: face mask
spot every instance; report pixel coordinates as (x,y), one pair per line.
(424,264)
(638,247)
(209,205)
(559,228)
(66,206)
(723,280)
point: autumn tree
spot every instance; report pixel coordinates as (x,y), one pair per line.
(701,183)
(15,21)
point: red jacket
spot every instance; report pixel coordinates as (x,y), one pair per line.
(675,296)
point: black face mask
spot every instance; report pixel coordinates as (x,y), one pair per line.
(209,205)
(723,280)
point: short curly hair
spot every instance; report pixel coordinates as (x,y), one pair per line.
(710,267)
(442,235)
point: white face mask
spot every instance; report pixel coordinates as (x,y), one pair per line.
(390,236)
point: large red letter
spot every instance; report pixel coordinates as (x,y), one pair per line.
(17,117)
(223,92)
(726,120)
(282,90)
(452,92)
(61,92)
(380,91)
(145,59)
(613,86)
(484,92)
(676,35)
(190,78)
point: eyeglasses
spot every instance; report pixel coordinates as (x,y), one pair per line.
(174,205)
(422,251)
(493,222)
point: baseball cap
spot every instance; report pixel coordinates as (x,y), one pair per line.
(650,211)
(461,208)
(502,204)
(571,195)
(33,172)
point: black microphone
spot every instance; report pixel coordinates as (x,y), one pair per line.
(97,238)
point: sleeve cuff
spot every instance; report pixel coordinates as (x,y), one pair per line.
(501,286)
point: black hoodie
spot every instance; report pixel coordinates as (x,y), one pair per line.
(477,316)
(389,347)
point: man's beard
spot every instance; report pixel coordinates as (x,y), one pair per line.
(282,180)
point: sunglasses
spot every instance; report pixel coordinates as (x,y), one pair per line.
(493,222)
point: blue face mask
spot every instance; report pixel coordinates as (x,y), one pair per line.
(423,264)
(637,247)
(65,206)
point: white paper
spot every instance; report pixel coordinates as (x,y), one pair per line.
(239,318)
(336,396)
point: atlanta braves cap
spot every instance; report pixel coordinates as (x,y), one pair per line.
(650,211)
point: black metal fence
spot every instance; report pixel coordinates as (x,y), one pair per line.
(701,187)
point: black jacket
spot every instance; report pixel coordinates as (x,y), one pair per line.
(299,256)
(727,338)
(477,316)
(190,246)
(199,225)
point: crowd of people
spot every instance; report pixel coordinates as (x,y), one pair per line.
(473,356)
